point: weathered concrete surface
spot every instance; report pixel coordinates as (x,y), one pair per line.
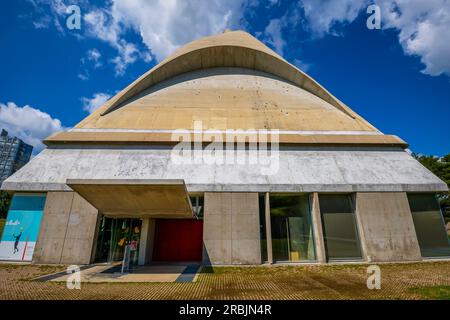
(146,241)
(231,49)
(143,198)
(50,242)
(299,170)
(231,229)
(386,227)
(67,230)
(317,228)
(226,98)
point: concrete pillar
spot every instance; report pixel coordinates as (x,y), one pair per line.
(80,234)
(68,229)
(146,241)
(386,227)
(231,232)
(268,228)
(143,242)
(52,232)
(317,228)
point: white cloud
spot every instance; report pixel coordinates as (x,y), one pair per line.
(164,25)
(94,55)
(101,25)
(424,30)
(274,36)
(98,99)
(322,15)
(29,124)
(423,25)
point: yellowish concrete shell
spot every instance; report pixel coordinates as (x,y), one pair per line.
(226,81)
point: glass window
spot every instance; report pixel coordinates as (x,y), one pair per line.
(339,227)
(429,225)
(197,203)
(292,232)
(114,234)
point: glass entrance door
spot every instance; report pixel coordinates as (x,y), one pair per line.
(114,235)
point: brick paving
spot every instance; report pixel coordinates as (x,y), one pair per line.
(275,282)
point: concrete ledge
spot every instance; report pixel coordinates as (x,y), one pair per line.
(40,187)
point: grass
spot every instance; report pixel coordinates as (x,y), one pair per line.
(435,293)
(2,226)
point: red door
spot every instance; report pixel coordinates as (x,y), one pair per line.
(178,240)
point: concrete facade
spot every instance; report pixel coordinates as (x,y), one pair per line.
(386,227)
(108,164)
(342,169)
(231,229)
(68,229)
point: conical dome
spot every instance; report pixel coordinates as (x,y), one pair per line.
(226,81)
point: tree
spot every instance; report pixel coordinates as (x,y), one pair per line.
(5,199)
(441,168)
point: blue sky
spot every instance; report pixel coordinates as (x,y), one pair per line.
(397,77)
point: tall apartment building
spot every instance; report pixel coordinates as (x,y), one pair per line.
(14,154)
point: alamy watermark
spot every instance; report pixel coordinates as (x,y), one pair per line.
(73,21)
(374,20)
(249,147)
(74,279)
(374,279)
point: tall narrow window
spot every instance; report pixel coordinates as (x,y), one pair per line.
(339,227)
(292,232)
(429,225)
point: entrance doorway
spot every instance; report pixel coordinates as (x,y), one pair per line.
(114,234)
(178,240)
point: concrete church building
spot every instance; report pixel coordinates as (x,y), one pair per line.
(342,190)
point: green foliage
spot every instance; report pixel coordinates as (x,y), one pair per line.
(5,199)
(441,168)
(434,293)
(2,226)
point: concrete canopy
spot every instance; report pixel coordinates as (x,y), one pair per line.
(135,198)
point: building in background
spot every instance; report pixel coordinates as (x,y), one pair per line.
(338,190)
(14,154)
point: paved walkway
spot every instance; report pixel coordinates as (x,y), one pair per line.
(399,281)
(107,273)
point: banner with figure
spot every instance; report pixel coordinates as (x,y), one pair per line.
(22,227)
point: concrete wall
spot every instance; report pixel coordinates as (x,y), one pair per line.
(342,169)
(146,241)
(231,228)
(386,227)
(68,230)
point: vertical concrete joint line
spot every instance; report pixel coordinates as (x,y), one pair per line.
(268,229)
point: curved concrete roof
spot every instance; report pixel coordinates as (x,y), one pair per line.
(228,81)
(226,98)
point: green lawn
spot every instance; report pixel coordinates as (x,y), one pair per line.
(2,225)
(436,292)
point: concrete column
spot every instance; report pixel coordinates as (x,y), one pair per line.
(143,242)
(80,234)
(268,228)
(231,233)
(317,228)
(146,241)
(50,242)
(386,227)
